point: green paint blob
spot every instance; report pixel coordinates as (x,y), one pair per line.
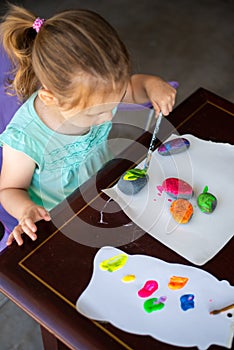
(206,201)
(114,263)
(152,304)
(134,174)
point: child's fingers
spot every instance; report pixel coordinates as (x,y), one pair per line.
(44,214)
(15,235)
(165,103)
(10,239)
(165,108)
(29,228)
(156,108)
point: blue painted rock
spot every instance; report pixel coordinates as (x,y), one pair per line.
(181,210)
(174,146)
(177,188)
(206,201)
(132,181)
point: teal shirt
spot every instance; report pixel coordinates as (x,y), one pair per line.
(63,162)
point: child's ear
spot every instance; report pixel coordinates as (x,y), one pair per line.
(47,97)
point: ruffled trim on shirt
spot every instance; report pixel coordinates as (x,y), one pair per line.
(18,140)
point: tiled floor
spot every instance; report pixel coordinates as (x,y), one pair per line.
(187,41)
(18,330)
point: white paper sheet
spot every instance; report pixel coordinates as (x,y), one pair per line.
(108,298)
(204,163)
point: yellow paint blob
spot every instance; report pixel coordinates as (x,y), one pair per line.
(128,278)
(114,263)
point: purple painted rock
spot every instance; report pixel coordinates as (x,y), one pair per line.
(174,146)
(177,188)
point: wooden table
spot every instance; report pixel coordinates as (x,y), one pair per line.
(45,278)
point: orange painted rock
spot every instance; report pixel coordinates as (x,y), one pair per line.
(181,210)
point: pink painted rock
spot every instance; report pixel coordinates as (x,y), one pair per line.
(177,188)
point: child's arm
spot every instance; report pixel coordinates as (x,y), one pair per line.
(16,176)
(143,88)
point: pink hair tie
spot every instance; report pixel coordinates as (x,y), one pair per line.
(37,24)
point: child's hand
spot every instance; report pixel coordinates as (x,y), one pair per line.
(27,225)
(161,94)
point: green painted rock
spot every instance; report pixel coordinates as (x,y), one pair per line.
(206,201)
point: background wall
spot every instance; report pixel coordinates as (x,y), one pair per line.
(187,41)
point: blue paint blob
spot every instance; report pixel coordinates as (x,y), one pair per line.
(187,302)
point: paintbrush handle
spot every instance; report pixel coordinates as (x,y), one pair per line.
(226,308)
(152,143)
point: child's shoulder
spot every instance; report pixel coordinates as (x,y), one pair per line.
(25,115)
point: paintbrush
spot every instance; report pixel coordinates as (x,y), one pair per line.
(226,308)
(152,143)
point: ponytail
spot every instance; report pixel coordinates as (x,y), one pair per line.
(73,48)
(17,38)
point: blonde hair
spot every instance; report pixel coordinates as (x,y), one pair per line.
(73,48)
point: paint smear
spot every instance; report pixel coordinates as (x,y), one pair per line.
(187,302)
(177,282)
(102,212)
(149,288)
(153,304)
(128,278)
(160,189)
(161,299)
(114,263)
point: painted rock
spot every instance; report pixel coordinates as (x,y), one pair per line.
(132,181)
(177,188)
(181,210)
(206,201)
(174,146)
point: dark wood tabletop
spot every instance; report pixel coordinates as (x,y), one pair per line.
(46,277)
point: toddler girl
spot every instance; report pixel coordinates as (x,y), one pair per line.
(71,71)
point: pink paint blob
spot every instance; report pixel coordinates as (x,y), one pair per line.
(149,288)
(160,188)
(169,200)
